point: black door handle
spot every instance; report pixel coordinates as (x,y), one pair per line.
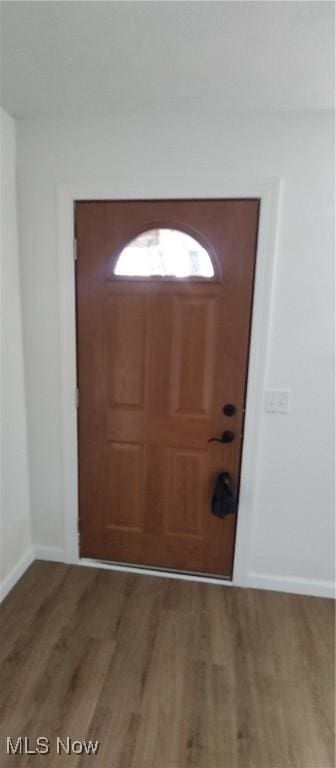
(227,437)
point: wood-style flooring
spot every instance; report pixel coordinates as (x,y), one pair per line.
(165,673)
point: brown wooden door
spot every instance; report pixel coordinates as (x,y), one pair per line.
(158,358)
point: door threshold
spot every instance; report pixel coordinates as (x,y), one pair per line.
(165,573)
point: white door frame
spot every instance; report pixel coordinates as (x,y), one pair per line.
(269,193)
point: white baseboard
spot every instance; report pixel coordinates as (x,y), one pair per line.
(53,554)
(15,573)
(292,584)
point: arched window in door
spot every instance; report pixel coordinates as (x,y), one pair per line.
(164,252)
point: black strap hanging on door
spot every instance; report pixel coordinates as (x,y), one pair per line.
(224,501)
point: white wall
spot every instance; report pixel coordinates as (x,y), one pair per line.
(160,156)
(16,546)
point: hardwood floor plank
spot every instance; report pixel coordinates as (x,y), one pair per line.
(165,673)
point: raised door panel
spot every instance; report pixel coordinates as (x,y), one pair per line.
(160,314)
(125,355)
(125,486)
(187,473)
(156,491)
(193,357)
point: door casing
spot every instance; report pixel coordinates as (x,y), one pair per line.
(269,194)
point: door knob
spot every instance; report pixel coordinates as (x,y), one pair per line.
(227,437)
(229,409)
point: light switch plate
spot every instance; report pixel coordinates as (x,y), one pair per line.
(277,400)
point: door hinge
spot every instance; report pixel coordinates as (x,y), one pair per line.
(77,398)
(75,252)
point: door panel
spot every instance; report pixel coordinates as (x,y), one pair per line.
(187,492)
(126,337)
(125,476)
(192,364)
(158,358)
